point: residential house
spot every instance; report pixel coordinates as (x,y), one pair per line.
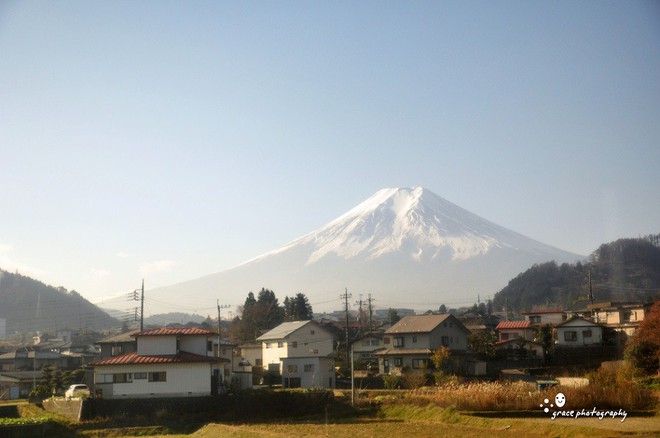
(18,384)
(507,330)
(579,332)
(167,363)
(308,372)
(365,349)
(621,317)
(225,349)
(410,342)
(545,316)
(296,339)
(28,359)
(519,348)
(118,345)
(253,354)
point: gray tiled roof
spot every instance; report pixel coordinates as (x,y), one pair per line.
(285,329)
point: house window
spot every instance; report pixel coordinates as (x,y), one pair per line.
(160,376)
(444,340)
(371,343)
(586,333)
(140,376)
(292,369)
(311,332)
(280,344)
(535,319)
(386,340)
(309,368)
(103,378)
(398,342)
(117,350)
(570,336)
(414,339)
(398,361)
(268,345)
(293,344)
(209,345)
(505,336)
(419,364)
(122,378)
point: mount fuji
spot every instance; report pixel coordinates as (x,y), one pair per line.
(408,247)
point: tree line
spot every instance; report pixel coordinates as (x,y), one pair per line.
(264,312)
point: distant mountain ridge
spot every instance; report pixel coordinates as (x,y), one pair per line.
(29,305)
(407,246)
(623,270)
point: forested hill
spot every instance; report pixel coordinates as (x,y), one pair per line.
(624,270)
(29,305)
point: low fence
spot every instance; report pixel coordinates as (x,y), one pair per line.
(242,406)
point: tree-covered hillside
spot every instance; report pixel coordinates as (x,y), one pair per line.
(624,270)
(29,305)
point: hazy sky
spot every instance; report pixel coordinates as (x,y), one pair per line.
(169,140)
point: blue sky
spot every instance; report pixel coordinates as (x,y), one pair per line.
(169,140)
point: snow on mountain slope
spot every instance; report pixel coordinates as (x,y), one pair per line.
(406,240)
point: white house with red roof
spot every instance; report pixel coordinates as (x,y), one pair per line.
(167,363)
(508,330)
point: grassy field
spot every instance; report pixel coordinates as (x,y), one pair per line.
(426,421)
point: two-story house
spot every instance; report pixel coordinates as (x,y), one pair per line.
(117,345)
(411,341)
(365,349)
(579,332)
(507,330)
(545,316)
(301,352)
(621,317)
(166,363)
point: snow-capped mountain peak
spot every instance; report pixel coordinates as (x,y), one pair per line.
(411,221)
(400,240)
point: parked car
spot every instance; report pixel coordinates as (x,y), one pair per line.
(76,390)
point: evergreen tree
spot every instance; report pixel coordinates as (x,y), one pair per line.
(443,309)
(297,308)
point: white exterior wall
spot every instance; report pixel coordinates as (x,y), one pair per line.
(251,354)
(580,327)
(527,334)
(156,345)
(193,344)
(318,344)
(272,354)
(182,380)
(547,318)
(322,374)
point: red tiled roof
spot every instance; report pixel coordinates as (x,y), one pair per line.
(174,331)
(513,325)
(137,359)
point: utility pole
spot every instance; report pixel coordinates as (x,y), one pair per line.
(141,299)
(345,297)
(224,306)
(360,317)
(506,308)
(371,313)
